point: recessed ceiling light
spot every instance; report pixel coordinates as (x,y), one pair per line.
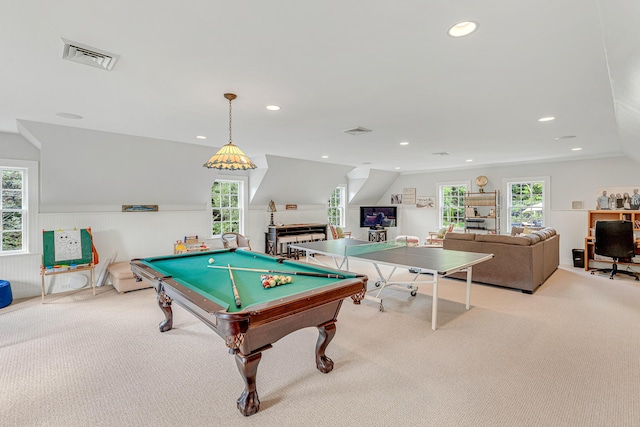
(273,107)
(325,157)
(404,143)
(397,167)
(462,29)
(201,137)
(546,119)
(69,116)
(576,149)
(469,160)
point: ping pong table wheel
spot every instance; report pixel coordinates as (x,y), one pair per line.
(381,307)
(377,284)
(414,293)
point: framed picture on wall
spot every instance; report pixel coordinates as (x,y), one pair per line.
(426,202)
(409,196)
(139,208)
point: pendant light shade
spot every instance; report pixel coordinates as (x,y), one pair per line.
(230,157)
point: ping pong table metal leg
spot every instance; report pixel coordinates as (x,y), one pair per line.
(434,304)
(468,287)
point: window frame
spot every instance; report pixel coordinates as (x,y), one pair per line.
(243,201)
(441,186)
(29,204)
(507,184)
(342,207)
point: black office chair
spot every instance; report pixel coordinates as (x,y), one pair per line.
(615,239)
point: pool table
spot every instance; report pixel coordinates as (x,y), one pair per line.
(206,289)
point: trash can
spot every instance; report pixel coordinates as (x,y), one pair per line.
(578,258)
(5,293)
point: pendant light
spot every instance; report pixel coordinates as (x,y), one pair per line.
(230,157)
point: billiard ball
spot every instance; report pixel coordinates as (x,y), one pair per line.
(210,260)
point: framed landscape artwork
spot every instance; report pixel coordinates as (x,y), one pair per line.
(139,208)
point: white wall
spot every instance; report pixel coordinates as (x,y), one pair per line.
(569,181)
(87,170)
(147,234)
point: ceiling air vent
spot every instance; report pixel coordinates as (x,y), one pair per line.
(441,153)
(87,55)
(357,131)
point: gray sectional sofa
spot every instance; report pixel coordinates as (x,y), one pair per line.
(521,261)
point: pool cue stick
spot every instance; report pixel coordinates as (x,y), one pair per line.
(289,273)
(235,289)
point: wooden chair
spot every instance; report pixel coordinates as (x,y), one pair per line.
(436,237)
(339,233)
(235,240)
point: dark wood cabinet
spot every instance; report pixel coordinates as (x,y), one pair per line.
(274,235)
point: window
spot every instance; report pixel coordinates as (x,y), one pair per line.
(18,204)
(337,207)
(451,207)
(12,207)
(526,201)
(227,206)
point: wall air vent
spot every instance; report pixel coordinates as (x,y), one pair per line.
(87,55)
(441,153)
(357,131)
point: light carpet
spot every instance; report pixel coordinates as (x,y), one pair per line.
(568,355)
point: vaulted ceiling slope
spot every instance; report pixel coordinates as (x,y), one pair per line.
(336,65)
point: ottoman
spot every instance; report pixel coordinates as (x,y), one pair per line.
(5,293)
(122,278)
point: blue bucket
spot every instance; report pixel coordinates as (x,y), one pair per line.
(6,297)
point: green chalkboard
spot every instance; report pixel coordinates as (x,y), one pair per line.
(76,245)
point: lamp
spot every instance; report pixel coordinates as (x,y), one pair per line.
(271,208)
(230,157)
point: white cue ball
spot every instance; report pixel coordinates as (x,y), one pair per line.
(210,260)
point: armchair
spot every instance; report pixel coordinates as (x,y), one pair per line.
(436,237)
(339,233)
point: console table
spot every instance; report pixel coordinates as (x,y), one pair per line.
(275,234)
(378,235)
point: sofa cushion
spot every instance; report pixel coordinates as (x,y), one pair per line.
(535,237)
(521,230)
(460,236)
(501,238)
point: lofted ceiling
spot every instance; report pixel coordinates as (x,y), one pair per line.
(335,65)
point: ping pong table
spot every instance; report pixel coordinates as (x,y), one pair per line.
(423,261)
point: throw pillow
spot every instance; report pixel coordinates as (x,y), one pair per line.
(442,232)
(526,230)
(231,242)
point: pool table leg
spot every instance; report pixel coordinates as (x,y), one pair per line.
(327,332)
(248,402)
(164,302)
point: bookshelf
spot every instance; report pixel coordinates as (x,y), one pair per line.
(609,215)
(482,212)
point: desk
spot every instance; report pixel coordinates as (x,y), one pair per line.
(417,259)
(266,315)
(377,235)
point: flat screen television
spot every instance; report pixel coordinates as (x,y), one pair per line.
(378,216)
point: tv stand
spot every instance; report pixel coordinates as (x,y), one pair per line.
(377,234)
